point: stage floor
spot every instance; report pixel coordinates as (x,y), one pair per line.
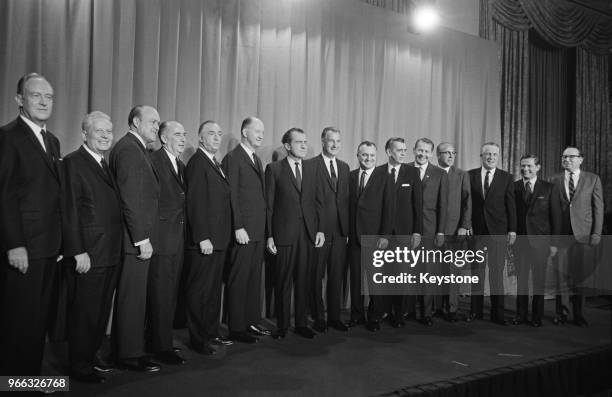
(357,363)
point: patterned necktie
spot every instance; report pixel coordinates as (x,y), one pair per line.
(487,183)
(572,187)
(298,175)
(362,182)
(332,171)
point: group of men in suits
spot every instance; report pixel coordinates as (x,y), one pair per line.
(133,226)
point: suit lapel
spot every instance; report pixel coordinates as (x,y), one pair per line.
(95,167)
(478,182)
(580,184)
(247,159)
(287,170)
(36,143)
(493,183)
(323,167)
(214,167)
(168,163)
(144,150)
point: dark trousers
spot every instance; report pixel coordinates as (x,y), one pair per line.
(356,280)
(130,308)
(495,260)
(162,294)
(580,260)
(450,299)
(244,285)
(293,268)
(25,301)
(90,296)
(330,257)
(203,296)
(530,259)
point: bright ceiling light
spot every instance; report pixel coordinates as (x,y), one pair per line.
(425,18)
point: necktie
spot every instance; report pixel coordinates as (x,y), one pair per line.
(257,163)
(332,171)
(218,166)
(572,187)
(393,174)
(180,167)
(362,182)
(421,172)
(298,175)
(487,183)
(47,145)
(104,166)
(528,191)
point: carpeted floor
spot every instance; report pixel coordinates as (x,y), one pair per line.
(357,363)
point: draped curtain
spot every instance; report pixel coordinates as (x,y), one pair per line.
(292,63)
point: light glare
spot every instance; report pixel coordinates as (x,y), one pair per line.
(425,18)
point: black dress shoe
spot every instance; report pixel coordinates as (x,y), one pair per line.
(536,323)
(560,319)
(104,368)
(373,325)
(353,323)
(280,333)
(338,325)
(427,321)
(305,332)
(472,317)
(205,349)
(319,326)
(518,320)
(170,358)
(141,364)
(581,322)
(258,330)
(88,378)
(221,341)
(243,337)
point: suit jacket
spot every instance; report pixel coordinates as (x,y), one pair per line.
(435,197)
(138,186)
(247,190)
(408,203)
(458,203)
(585,213)
(335,199)
(209,208)
(170,235)
(92,221)
(538,216)
(495,214)
(30,192)
(371,212)
(290,207)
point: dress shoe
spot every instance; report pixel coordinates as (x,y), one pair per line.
(427,321)
(221,341)
(243,337)
(88,378)
(205,349)
(410,316)
(141,364)
(170,358)
(176,349)
(104,368)
(536,323)
(353,323)
(373,325)
(258,330)
(279,333)
(472,317)
(581,322)
(305,332)
(518,320)
(560,319)
(338,325)
(319,326)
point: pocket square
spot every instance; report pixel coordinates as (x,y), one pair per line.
(405,184)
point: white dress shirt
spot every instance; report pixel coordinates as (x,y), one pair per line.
(567,179)
(37,131)
(483,175)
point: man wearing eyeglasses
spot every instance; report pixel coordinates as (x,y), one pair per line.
(30,227)
(580,195)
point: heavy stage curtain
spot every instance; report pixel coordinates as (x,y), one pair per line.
(292,63)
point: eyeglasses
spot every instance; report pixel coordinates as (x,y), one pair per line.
(570,156)
(449,153)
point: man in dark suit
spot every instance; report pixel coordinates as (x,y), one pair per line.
(169,242)
(335,175)
(579,195)
(537,219)
(458,221)
(407,220)
(293,196)
(494,224)
(93,233)
(435,185)
(246,177)
(371,202)
(30,227)
(138,187)
(209,228)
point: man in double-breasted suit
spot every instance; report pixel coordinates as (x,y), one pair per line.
(93,234)
(371,207)
(30,227)
(209,223)
(246,178)
(167,260)
(537,217)
(293,196)
(580,197)
(334,174)
(138,187)
(494,224)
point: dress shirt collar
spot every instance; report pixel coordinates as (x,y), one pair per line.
(483,173)
(35,127)
(144,144)
(173,159)
(576,174)
(293,161)
(530,180)
(207,153)
(248,151)
(390,168)
(446,169)
(95,155)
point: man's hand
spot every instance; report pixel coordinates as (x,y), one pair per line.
(511,238)
(553,251)
(18,258)
(242,237)
(439,241)
(462,234)
(206,247)
(83,263)
(146,250)
(415,240)
(270,245)
(319,239)
(595,239)
(382,243)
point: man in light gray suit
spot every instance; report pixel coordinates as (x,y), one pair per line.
(582,211)
(458,220)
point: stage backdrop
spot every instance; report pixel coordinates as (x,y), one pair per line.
(304,63)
